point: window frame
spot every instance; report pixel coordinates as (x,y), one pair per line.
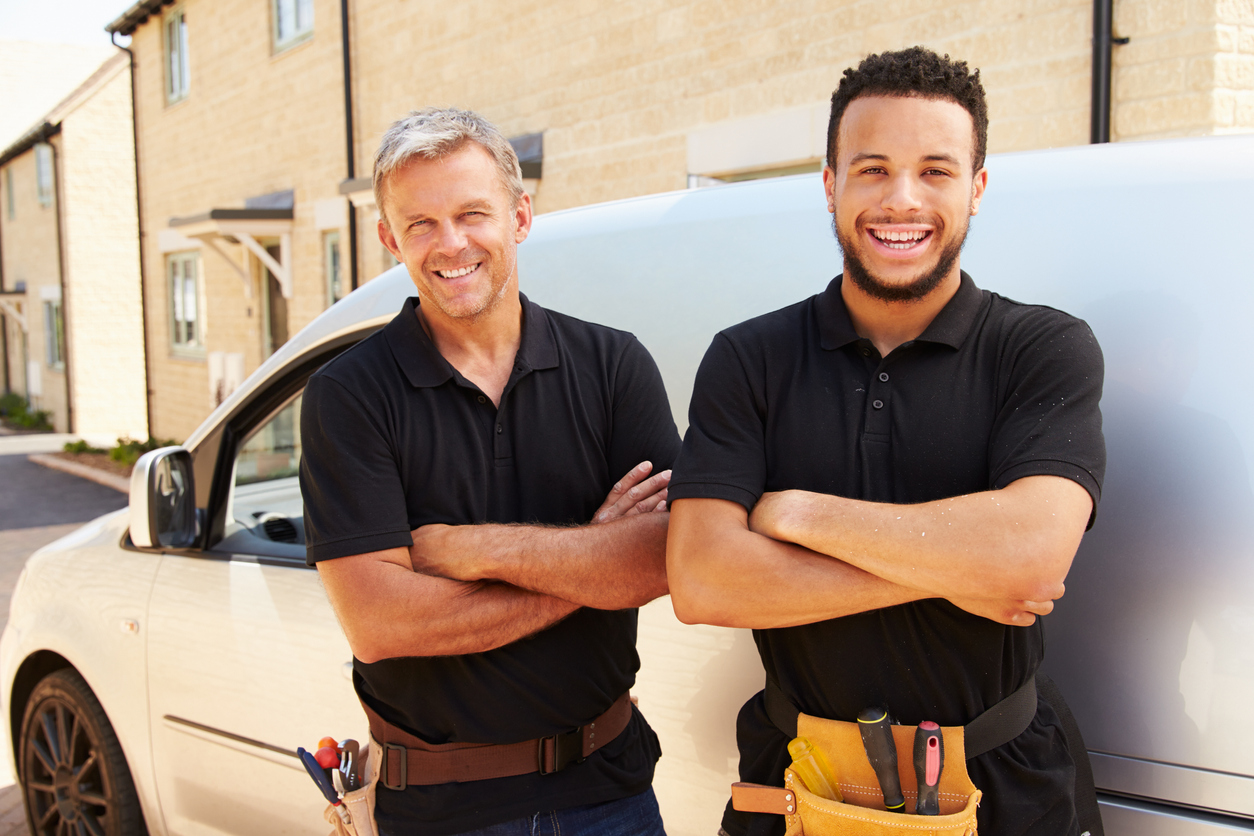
(10,202)
(177,67)
(54,334)
(45,180)
(179,344)
(303,29)
(333,266)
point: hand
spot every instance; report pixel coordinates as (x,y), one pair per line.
(634,494)
(433,553)
(1011,613)
(767,516)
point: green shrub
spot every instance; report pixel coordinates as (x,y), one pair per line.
(12,403)
(128,450)
(80,446)
(18,414)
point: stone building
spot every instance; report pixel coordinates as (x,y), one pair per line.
(257,121)
(70,300)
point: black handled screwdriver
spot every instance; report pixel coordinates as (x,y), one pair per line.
(929,760)
(881,751)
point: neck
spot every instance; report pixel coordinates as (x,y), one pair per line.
(481,348)
(890,324)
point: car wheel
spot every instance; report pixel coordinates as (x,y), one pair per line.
(74,774)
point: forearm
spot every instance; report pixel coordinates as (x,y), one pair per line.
(389,611)
(721,573)
(610,566)
(1012,544)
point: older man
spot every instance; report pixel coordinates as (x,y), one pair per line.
(888,481)
(495,645)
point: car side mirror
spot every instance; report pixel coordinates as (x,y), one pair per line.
(163,500)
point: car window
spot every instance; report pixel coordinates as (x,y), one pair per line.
(264,512)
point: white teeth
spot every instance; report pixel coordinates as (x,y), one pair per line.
(456,274)
(908,239)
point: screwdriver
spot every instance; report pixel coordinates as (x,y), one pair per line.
(320,778)
(881,751)
(809,763)
(929,760)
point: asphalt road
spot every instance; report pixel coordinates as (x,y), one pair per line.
(37,505)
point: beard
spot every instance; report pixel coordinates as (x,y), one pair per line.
(498,271)
(911,291)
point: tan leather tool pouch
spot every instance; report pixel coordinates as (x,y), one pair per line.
(355,814)
(862,813)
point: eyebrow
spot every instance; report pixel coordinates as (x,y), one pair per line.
(465,207)
(930,158)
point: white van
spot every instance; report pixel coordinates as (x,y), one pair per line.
(189,672)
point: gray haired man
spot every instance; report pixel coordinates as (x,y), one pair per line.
(467,509)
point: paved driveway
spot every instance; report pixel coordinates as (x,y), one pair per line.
(37,505)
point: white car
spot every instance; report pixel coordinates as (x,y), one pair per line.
(161,665)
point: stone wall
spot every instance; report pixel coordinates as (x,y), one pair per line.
(102,307)
(623,93)
(30,256)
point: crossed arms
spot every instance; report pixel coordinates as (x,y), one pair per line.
(472,588)
(802,557)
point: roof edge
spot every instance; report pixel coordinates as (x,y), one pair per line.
(130,20)
(234,215)
(41,132)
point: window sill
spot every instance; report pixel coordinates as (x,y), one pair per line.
(278,50)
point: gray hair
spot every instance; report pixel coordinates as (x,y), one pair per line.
(432,133)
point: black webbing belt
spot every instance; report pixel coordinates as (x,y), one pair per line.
(997,726)
(1000,724)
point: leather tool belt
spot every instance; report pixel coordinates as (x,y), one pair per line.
(998,725)
(410,761)
(860,812)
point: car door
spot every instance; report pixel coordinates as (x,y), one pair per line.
(246,659)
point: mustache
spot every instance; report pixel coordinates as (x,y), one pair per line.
(930,220)
(463,258)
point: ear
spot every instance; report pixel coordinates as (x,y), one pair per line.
(829,188)
(387,238)
(522,218)
(978,184)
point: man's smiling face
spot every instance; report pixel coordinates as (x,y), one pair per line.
(902,193)
(451,222)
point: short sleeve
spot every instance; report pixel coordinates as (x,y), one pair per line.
(1050,423)
(643,428)
(349,477)
(724,453)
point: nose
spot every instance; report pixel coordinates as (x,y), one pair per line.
(902,194)
(452,239)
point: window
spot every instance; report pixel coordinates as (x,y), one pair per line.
(43,173)
(273,451)
(293,22)
(264,508)
(54,335)
(186,329)
(334,267)
(176,66)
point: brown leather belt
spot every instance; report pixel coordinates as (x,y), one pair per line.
(411,761)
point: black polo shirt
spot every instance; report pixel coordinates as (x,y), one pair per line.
(991,392)
(395,438)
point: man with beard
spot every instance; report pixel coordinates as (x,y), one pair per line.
(493,646)
(889,480)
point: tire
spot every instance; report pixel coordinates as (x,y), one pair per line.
(74,776)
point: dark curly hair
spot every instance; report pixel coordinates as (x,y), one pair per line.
(916,71)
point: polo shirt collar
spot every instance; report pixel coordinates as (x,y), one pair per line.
(950,327)
(424,366)
(955,321)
